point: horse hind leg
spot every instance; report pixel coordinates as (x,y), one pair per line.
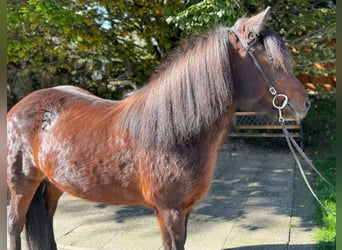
(27,198)
(22,181)
(173,227)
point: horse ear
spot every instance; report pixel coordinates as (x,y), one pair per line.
(256,23)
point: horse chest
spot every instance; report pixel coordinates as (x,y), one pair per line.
(176,178)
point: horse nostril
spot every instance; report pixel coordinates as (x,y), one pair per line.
(307,103)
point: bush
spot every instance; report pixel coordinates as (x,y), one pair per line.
(319,132)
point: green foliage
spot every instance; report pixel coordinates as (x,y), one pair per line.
(94,44)
(207,14)
(319,129)
(49,44)
(327,234)
(308,27)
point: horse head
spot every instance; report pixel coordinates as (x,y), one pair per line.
(260,61)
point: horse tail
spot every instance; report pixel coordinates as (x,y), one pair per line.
(39,227)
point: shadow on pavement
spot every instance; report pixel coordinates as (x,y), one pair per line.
(275,247)
(126,212)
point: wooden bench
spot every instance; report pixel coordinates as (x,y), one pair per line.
(257,124)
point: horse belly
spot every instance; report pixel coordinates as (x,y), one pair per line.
(97,184)
(90,173)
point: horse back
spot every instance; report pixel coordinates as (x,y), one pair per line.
(35,113)
(59,128)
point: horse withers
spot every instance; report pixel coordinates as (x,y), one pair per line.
(156,148)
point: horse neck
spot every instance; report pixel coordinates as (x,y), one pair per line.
(187,99)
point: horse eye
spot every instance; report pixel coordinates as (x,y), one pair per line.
(251,36)
(270,58)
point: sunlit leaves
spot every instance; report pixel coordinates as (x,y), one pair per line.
(118,39)
(308,27)
(207,14)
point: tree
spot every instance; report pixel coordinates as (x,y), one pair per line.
(307,26)
(103,46)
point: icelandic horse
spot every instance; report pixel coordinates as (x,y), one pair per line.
(156,148)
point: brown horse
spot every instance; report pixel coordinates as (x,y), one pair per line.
(156,148)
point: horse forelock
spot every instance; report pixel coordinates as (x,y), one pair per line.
(277,50)
(187,95)
(274,46)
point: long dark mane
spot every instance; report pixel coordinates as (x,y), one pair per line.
(187,94)
(277,50)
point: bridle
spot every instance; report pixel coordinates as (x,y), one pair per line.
(283,102)
(273,91)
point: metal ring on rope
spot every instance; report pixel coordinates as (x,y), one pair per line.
(283,104)
(280,107)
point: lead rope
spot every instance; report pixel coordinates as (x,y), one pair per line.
(293,145)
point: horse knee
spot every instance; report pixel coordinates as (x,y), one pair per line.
(173,228)
(14,224)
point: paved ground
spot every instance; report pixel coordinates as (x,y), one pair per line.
(257,201)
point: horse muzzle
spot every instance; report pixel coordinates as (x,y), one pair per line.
(299,111)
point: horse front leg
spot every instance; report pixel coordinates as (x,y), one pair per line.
(52,195)
(173,226)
